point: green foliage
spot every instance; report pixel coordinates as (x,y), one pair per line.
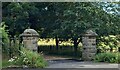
(29,58)
(108,43)
(19,16)
(108,57)
(5,39)
(63,20)
(4,33)
(59,19)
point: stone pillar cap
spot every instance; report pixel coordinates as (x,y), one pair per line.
(30,33)
(90,33)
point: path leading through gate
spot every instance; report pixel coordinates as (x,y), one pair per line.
(61,62)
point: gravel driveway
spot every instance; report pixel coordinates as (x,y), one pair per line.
(72,63)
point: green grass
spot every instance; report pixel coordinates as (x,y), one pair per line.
(51,41)
(5,63)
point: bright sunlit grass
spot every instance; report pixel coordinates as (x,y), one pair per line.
(51,41)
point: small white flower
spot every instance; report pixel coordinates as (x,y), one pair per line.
(24,66)
(18,58)
(21,52)
(15,57)
(11,60)
(25,58)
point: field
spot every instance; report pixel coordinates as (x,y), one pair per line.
(51,41)
(47,46)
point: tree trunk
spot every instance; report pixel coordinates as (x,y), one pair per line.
(119,49)
(76,42)
(57,43)
(75,46)
(111,49)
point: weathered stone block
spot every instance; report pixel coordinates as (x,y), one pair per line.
(30,38)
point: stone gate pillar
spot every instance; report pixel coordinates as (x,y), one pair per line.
(30,38)
(89,45)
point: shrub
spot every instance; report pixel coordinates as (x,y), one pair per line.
(108,57)
(108,43)
(29,58)
(5,38)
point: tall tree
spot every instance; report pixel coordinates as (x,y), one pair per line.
(60,20)
(79,17)
(19,16)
